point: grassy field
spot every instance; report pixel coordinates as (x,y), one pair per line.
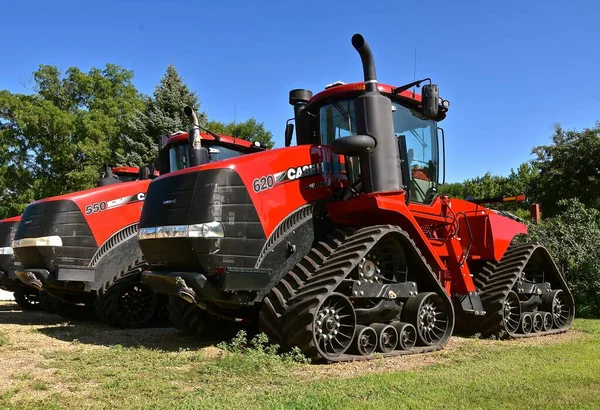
(48,363)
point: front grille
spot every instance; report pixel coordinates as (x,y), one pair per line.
(62,218)
(7,234)
(197,197)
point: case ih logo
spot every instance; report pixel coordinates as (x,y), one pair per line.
(291,174)
(299,172)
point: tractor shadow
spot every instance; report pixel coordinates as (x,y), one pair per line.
(13,314)
(95,333)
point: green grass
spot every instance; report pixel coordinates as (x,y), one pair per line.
(474,374)
(3,340)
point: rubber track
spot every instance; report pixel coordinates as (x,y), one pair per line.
(494,282)
(106,303)
(276,302)
(298,318)
(186,317)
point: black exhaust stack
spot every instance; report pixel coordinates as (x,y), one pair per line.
(375,143)
(198,154)
(299,98)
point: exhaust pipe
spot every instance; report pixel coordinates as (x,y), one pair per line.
(198,154)
(368,63)
(380,166)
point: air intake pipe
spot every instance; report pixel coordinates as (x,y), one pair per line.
(198,154)
(377,147)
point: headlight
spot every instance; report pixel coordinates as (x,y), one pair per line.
(41,241)
(6,251)
(205,230)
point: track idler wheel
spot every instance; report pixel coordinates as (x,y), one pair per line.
(538,322)
(526,323)
(511,312)
(407,335)
(334,325)
(387,336)
(547,320)
(558,303)
(365,340)
(427,313)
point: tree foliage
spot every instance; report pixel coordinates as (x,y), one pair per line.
(250,130)
(569,168)
(55,140)
(163,116)
(573,239)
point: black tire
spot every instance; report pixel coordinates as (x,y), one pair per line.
(127,303)
(28,298)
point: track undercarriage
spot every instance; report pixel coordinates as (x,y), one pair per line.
(357,294)
(523,294)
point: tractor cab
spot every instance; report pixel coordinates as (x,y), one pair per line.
(177,152)
(331,115)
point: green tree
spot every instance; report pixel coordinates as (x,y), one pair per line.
(569,168)
(56,140)
(250,130)
(163,116)
(573,239)
(492,186)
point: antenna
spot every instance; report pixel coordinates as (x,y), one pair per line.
(415,72)
(234,113)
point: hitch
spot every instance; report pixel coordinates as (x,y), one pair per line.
(34,281)
(185,292)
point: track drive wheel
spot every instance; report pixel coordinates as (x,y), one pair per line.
(127,303)
(28,298)
(427,313)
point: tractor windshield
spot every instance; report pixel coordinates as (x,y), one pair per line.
(179,154)
(337,120)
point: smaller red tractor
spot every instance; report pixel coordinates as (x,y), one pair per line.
(81,248)
(28,297)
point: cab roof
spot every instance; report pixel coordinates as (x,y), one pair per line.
(183,136)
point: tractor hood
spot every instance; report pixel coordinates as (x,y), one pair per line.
(70,229)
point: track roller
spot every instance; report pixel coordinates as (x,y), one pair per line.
(387,336)
(427,314)
(526,323)
(538,322)
(407,335)
(560,305)
(365,340)
(547,321)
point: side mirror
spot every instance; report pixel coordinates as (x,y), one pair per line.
(431,101)
(289,130)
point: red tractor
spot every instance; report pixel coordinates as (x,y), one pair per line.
(81,248)
(26,296)
(341,245)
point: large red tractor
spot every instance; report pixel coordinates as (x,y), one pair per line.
(28,297)
(341,245)
(81,248)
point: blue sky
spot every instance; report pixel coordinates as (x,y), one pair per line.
(511,69)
